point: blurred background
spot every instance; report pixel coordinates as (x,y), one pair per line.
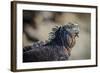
(38,24)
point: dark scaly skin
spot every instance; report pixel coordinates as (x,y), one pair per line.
(57,49)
